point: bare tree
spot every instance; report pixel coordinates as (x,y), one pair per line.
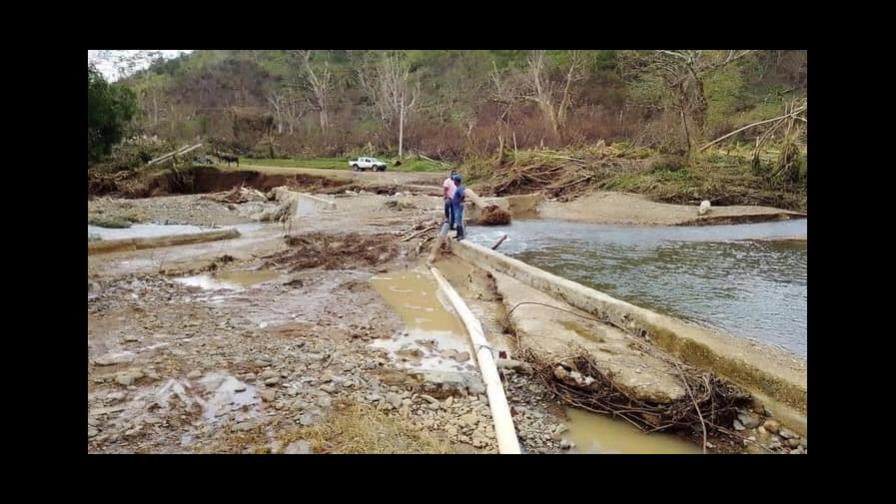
(554,98)
(295,107)
(317,79)
(278,102)
(387,83)
(506,92)
(683,73)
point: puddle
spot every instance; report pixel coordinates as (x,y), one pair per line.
(434,338)
(593,433)
(231,280)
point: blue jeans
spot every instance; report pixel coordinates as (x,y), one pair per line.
(449,213)
(458,211)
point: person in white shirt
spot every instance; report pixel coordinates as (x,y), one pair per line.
(448,189)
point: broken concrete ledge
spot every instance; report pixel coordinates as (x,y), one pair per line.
(128,244)
(328,203)
(777,380)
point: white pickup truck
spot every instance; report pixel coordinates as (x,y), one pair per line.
(367,163)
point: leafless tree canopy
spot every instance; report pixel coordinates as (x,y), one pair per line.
(317,79)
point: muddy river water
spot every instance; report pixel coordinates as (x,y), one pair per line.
(733,278)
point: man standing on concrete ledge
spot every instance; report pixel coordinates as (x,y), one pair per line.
(448,191)
(457,206)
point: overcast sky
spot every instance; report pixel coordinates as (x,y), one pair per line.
(105,59)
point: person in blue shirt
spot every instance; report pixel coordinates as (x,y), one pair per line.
(457,206)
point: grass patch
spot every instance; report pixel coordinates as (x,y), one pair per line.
(355,428)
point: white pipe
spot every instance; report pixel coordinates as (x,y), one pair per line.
(504,429)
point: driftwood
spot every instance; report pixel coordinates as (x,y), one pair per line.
(791,114)
(174,153)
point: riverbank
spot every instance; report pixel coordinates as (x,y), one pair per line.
(256,344)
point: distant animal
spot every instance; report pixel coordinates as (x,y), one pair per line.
(228,158)
(704,207)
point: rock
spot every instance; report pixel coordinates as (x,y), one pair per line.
(115,396)
(469,420)
(787,433)
(92,432)
(127,378)
(449,402)
(771,425)
(249,376)
(704,207)
(298,448)
(373,397)
(560,429)
(796,451)
(272,380)
(267,374)
(268,395)
(804,442)
(566,444)
(738,426)
(131,339)
(749,420)
(394,399)
(462,356)
(329,388)
(112,359)
(244,426)
(306,419)
(240,387)
(431,400)
(793,442)
(476,388)
(194,374)
(324,402)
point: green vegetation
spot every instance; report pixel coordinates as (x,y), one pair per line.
(492,113)
(109,110)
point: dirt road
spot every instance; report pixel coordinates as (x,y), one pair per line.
(386,177)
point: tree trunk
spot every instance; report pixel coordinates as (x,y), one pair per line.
(400,132)
(155,109)
(324,119)
(514,145)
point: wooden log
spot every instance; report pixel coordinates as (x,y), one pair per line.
(178,152)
